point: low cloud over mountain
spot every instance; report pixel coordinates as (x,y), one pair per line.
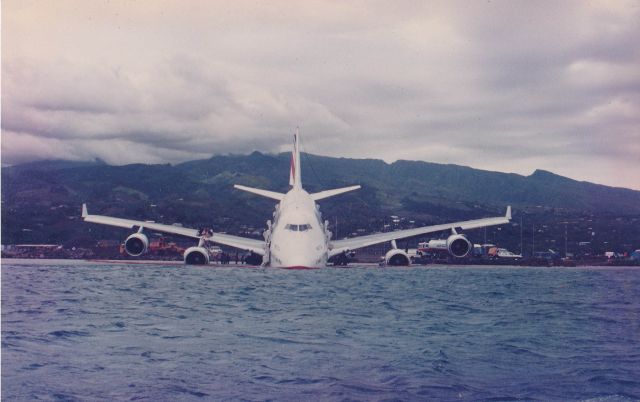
(508,86)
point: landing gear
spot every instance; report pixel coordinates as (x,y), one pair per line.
(253,259)
(342,259)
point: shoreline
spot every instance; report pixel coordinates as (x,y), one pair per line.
(75,261)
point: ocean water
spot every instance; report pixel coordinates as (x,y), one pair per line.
(91,331)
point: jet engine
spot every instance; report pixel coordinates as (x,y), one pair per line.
(136,244)
(196,256)
(397,257)
(458,245)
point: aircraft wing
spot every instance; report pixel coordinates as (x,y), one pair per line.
(243,243)
(340,246)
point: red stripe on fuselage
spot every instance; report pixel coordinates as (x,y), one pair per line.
(299,267)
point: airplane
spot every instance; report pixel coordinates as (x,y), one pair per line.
(297,237)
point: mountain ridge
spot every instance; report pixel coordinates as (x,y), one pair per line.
(41,200)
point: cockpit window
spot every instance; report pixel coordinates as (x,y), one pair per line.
(298,228)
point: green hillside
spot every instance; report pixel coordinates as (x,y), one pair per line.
(41,201)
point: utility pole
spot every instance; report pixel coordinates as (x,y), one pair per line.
(565,239)
(533,239)
(521,243)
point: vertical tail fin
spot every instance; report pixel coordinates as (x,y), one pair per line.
(294,174)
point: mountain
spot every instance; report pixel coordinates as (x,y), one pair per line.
(41,200)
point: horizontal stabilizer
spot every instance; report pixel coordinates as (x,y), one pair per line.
(330,193)
(264,193)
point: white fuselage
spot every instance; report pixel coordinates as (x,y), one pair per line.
(298,238)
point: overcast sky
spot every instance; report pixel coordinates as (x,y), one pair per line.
(507,86)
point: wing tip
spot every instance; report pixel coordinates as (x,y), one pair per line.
(85,213)
(508,214)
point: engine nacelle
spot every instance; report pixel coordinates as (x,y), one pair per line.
(458,245)
(397,258)
(136,244)
(196,256)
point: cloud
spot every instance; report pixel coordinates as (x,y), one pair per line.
(508,86)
